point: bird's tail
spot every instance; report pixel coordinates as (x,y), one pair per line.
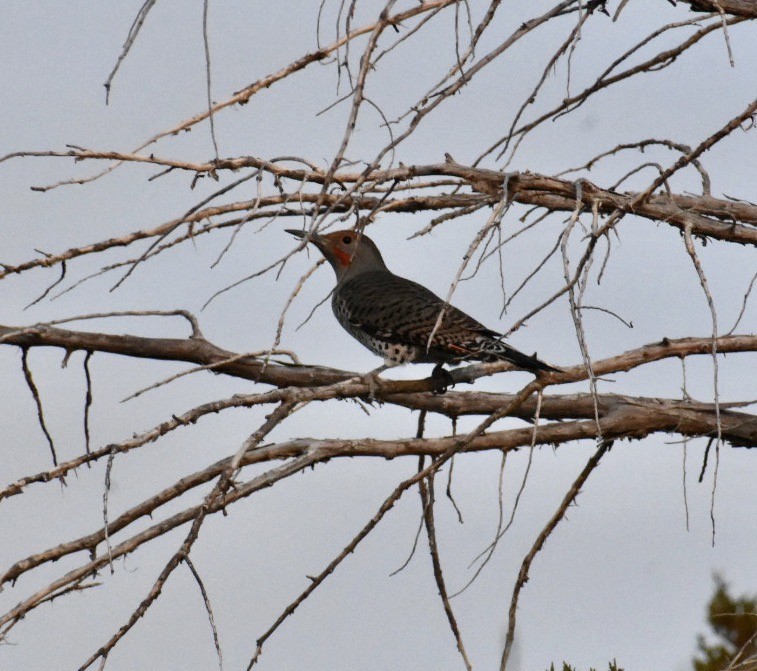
(496,350)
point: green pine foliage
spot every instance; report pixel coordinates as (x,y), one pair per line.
(613,666)
(734,625)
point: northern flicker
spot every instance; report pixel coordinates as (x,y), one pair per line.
(394,317)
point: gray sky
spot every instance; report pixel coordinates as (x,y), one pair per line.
(620,578)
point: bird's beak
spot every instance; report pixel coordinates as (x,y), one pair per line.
(302,234)
(316,239)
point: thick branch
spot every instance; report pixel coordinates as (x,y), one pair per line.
(705,214)
(701,420)
(201,352)
(746,8)
(721,219)
(692,418)
(620,417)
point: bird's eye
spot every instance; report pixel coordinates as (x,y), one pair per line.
(347,239)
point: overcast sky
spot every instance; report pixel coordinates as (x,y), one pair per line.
(620,578)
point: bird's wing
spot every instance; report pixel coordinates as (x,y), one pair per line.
(397,310)
(393,308)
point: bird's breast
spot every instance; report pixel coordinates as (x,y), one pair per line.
(352,320)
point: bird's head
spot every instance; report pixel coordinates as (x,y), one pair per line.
(349,252)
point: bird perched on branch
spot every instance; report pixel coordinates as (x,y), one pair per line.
(399,319)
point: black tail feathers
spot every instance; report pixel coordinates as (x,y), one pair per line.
(499,351)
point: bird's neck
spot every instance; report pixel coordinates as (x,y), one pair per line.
(351,273)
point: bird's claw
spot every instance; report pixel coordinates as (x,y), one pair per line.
(371,379)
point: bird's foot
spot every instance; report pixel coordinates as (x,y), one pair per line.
(372,380)
(442,379)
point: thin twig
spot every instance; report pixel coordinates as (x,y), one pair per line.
(412,549)
(87,400)
(37,401)
(51,286)
(106,494)
(212,499)
(743,304)
(685,394)
(208,609)
(388,503)
(208,88)
(575,302)
(501,531)
(570,496)
(426,489)
(714,316)
(133,32)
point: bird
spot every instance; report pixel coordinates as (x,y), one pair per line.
(396,318)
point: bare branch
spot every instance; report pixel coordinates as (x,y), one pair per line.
(133,32)
(213,498)
(202,352)
(539,543)
(349,187)
(87,400)
(459,444)
(208,608)
(743,8)
(427,500)
(37,401)
(716,387)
